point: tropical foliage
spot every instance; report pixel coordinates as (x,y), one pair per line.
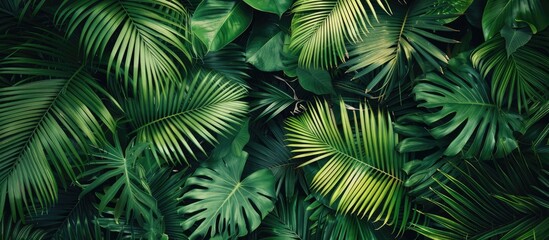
(274,119)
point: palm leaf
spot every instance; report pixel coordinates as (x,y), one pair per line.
(520,77)
(289,220)
(72,217)
(268,150)
(52,114)
(223,203)
(327,224)
(128,189)
(464,112)
(271,100)
(229,62)
(143,41)
(485,203)
(183,115)
(321,28)
(361,168)
(397,42)
(167,188)
(18,231)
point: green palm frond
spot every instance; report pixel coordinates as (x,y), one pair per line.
(485,203)
(125,170)
(46,120)
(395,43)
(271,100)
(520,77)
(167,188)
(72,217)
(361,168)
(464,113)
(222,202)
(289,220)
(19,231)
(143,41)
(229,62)
(321,28)
(327,224)
(268,150)
(183,116)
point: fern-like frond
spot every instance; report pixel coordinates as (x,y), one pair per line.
(321,28)
(46,120)
(143,42)
(182,116)
(395,43)
(361,169)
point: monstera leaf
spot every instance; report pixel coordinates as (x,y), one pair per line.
(462,110)
(224,203)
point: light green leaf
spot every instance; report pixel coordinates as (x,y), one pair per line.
(264,48)
(219,22)
(360,170)
(515,38)
(321,28)
(224,203)
(277,7)
(315,80)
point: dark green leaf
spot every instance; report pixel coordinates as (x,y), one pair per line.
(277,7)
(315,80)
(219,22)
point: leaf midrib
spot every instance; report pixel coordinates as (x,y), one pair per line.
(24,148)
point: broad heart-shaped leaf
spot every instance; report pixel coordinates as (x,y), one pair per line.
(464,112)
(360,170)
(177,120)
(277,7)
(515,38)
(224,203)
(499,13)
(219,22)
(264,48)
(317,81)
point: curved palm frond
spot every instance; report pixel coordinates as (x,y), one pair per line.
(464,112)
(320,29)
(144,40)
(167,188)
(125,170)
(268,150)
(485,203)
(183,116)
(520,77)
(272,100)
(229,62)
(289,220)
(18,231)
(395,43)
(327,224)
(72,217)
(47,119)
(222,203)
(360,165)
